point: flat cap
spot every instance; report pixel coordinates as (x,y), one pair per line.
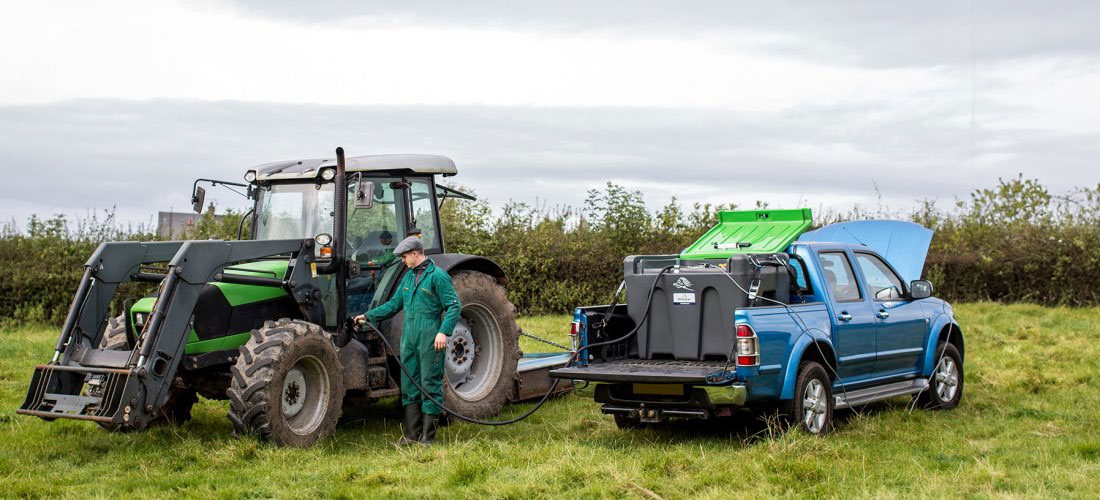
(408,244)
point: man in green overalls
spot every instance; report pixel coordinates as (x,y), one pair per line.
(431,310)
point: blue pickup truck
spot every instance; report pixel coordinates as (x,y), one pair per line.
(760,314)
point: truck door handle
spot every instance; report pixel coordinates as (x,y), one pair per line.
(844,316)
(882,314)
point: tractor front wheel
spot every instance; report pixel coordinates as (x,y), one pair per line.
(288,384)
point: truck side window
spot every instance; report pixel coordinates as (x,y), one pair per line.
(839,277)
(884,284)
(800,274)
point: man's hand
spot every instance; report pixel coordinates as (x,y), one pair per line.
(440,342)
(360,319)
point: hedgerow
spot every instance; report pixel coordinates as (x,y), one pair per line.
(1014,242)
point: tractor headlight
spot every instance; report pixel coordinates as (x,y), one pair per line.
(328,174)
(250,176)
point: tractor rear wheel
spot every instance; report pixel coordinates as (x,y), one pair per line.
(288,384)
(482,353)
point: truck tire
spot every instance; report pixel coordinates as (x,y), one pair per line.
(945,388)
(482,353)
(176,409)
(812,405)
(287,385)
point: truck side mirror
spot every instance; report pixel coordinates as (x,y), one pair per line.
(920,289)
(197,198)
(364,193)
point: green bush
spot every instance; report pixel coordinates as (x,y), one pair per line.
(1015,242)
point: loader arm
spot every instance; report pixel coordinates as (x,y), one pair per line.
(127,388)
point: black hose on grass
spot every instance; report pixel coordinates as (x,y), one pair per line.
(553,386)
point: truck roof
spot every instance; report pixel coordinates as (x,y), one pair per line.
(309,168)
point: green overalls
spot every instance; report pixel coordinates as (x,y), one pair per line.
(431,306)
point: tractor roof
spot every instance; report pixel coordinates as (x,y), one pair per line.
(305,169)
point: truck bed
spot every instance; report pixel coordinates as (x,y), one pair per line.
(661,371)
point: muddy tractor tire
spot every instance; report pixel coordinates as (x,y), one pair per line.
(176,409)
(482,353)
(287,386)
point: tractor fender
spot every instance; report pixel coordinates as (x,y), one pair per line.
(452,262)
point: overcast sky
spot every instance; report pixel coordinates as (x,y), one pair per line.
(124,103)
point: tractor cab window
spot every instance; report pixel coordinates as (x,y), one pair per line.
(424,214)
(294,211)
(373,233)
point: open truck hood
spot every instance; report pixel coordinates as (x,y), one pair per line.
(904,244)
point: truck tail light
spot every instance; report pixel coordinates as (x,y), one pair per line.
(574,328)
(748,346)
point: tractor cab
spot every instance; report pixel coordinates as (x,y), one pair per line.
(389,197)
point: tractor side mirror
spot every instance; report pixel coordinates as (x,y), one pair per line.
(197,198)
(920,289)
(364,193)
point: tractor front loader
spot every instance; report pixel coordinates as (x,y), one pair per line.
(125,388)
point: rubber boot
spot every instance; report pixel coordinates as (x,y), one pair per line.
(428,436)
(412,425)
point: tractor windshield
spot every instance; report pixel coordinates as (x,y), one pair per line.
(294,211)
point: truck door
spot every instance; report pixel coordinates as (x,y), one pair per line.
(900,322)
(853,320)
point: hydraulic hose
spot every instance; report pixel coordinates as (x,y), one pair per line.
(553,386)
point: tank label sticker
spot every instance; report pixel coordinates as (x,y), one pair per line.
(683,298)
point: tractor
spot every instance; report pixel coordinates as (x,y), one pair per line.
(265,322)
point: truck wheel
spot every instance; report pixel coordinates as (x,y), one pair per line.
(176,409)
(812,405)
(482,353)
(288,384)
(945,388)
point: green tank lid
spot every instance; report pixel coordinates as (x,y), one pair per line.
(765,231)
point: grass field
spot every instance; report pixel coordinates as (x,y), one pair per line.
(1028,427)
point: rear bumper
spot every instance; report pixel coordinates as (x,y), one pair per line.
(650,371)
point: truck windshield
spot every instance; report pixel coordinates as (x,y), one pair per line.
(294,211)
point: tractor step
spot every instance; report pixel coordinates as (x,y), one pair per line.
(58,391)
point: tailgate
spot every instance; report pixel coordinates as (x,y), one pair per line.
(657,371)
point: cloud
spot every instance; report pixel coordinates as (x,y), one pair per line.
(142,156)
(863,32)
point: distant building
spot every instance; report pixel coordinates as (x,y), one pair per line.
(171,225)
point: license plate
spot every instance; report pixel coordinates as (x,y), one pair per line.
(659,389)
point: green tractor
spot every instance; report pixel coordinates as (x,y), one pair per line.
(264,322)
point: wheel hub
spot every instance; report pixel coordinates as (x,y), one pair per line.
(294,392)
(814,406)
(947,379)
(461,352)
